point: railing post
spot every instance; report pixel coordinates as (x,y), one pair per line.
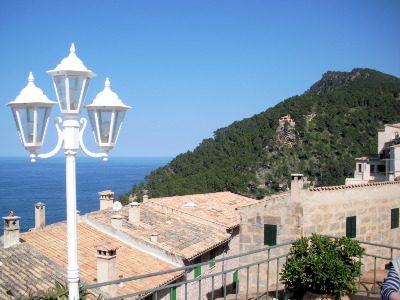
(247,287)
(258,278)
(268,274)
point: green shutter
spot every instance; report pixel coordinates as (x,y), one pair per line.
(234,280)
(197,270)
(351,227)
(172,295)
(270,233)
(212,258)
(394,221)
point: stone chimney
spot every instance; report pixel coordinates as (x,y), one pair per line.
(154,237)
(11,230)
(40,215)
(107,266)
(106,199)
(145,198)
(116,221)
(296,186)
(134,212)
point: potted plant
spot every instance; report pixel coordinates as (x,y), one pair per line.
(322,265)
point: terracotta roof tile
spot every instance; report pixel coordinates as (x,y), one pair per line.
(219,208)
(22,270)
(177,234)
(52,242)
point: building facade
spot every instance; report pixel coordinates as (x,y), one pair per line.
(367,212)
(385,166)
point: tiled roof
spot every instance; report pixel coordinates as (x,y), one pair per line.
(52,242)
(25,271)
(268,198)
(218,208)
(397,125)
(370,157)
(177,234)
(350,186)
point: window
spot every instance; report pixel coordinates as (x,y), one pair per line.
(381,168)
(372,169)
(212,258)
(197,270)
(149,297)
(394,221)
(234,280)
(359,166)
(270,234)
(351,226)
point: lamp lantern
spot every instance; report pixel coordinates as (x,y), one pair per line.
(31,110)
(71,81)
(106,114)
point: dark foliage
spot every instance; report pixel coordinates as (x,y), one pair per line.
(336,120)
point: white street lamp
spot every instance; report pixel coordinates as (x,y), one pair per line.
(31,110)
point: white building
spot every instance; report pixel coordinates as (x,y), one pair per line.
(382,167)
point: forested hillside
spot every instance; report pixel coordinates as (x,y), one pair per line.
(336,120)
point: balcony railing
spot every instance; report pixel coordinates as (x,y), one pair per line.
(377,255)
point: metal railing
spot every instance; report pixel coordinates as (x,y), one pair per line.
(278,289)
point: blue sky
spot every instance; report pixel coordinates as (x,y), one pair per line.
(189,67)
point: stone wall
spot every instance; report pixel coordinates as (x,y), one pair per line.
(280,211)
(223,251)
(323,211)
(326,210)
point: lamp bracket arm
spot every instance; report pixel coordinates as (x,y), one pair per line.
(84,149)
(59,143)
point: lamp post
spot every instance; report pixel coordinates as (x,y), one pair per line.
(31,110)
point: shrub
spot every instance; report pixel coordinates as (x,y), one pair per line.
(323,265)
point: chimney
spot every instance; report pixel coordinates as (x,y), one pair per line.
(106,199)
(134,212)
(145,198)
(154,237)
(116,221)
(40,215)
(107,266)
(11,230)
(296,186)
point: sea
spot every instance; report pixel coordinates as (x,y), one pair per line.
(23,184)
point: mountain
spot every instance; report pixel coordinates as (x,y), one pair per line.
(335,121)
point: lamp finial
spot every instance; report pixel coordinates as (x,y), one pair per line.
(30,77)
(72,49)
(107,84)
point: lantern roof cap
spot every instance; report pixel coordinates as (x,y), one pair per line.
(31,94)
(71,63)
(107,98)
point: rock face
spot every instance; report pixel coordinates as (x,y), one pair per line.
(286,133)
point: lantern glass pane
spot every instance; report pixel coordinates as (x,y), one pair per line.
(105,124)
(27,123)
(42,115)
(59,81)
(119,117)
(93,124)
(75,90)
(14,111)
(86,89)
